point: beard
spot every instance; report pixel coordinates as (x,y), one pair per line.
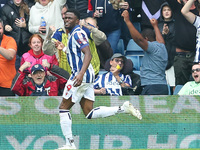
(69,28)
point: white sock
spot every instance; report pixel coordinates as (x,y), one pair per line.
(66,125)
(103,111)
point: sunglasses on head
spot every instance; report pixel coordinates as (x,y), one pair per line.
(197,70)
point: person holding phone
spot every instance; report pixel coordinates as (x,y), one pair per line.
(15,15)
(50,10)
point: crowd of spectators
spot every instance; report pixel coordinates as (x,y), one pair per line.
(167,36)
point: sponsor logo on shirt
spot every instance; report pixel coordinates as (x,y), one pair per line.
(194,92)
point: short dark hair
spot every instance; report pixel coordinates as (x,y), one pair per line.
(65,5)
(75,12)
(149,33)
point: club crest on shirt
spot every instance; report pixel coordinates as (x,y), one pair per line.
(81,38)
(69,87)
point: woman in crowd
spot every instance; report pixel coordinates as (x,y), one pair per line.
(15,15)
(50,10)
(35,55)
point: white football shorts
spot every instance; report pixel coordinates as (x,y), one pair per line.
(85,90)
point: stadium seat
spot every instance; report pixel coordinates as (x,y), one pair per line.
(177,89)
(169,89)
(134,49)
(136,61)
(120,46)
(102,71)
(136,72)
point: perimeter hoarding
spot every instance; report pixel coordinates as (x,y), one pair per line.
(168,122)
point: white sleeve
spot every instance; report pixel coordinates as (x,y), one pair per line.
(32,26)
(197,22)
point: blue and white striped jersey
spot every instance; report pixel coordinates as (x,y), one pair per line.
(108,81)
(77,39)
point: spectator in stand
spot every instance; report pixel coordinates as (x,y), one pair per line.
(35,55)
(64,10)
(195,20)
(8,50)
(51,11)
(166,27)
(15,15)
(192,87)
(39,84)
(185,41)
(112,82)
(155,57)
(150,10)
(128,70)
(80,5)
(108,19)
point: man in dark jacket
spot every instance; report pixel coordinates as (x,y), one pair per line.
(185,42)
(39,84)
